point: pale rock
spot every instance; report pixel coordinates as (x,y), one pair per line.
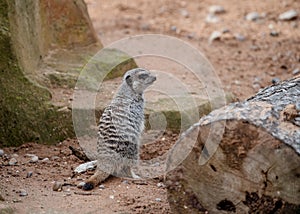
(216,9)
(288,15)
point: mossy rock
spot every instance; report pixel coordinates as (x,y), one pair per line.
(32,70)
(7,210)
(107,63)
(179,112)
(26,113)
(175,113)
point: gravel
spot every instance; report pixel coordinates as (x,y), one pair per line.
(184,13)
(211,18)
(81,184)
(253,16)
(34,158)
(45,160)
(13,161)
(1,152)
(173,28)
(23,193)
(216,9)
(288,15)
(274,33)
(239,37)
(158,199)
(29,174)
(160,185)
(215,36)
(86,166)
(57,186)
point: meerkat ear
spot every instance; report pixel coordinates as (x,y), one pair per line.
(129,80)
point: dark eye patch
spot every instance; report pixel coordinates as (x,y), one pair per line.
(143,76)
(129,80)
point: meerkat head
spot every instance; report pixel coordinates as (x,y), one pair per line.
(139,79)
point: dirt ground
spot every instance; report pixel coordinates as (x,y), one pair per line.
(247,57)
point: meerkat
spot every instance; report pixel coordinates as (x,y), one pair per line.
(120,128)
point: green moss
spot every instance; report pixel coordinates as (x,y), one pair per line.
(60,80)
(7,210)
(25,112)
(109,64)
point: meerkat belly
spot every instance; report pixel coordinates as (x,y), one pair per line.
(120,130)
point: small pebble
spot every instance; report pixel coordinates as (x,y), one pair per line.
(23,193)
(29,174)
(80,185)
(45,160)
(1,152)
(254,48)
(274,33)
(160,185)
(256,86)
(15,155)
(173,28)
(216,9)
(216,35)
(275,80)
(125,182)
(67,194)
(2,198)
(17,200)
(158,199)
(145,27)
(225,30)
(101,186)
(85,166)
(55,158)
(191,36)
(296,71)
(34,159)
(184,13)
(288,15)
(211,18)
(57,186)
(12,161)
(253,16)
(239,37)
(237,82)
(111,197)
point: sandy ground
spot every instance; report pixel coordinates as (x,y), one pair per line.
(247,56)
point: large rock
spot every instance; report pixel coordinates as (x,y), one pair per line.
(44,46)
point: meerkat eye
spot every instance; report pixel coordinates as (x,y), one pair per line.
(128,80)
(143,76)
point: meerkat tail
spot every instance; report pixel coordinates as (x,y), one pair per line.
(95,180)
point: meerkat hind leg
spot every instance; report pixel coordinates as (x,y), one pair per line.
(95,180)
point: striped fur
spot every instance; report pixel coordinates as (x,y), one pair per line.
(120,127)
